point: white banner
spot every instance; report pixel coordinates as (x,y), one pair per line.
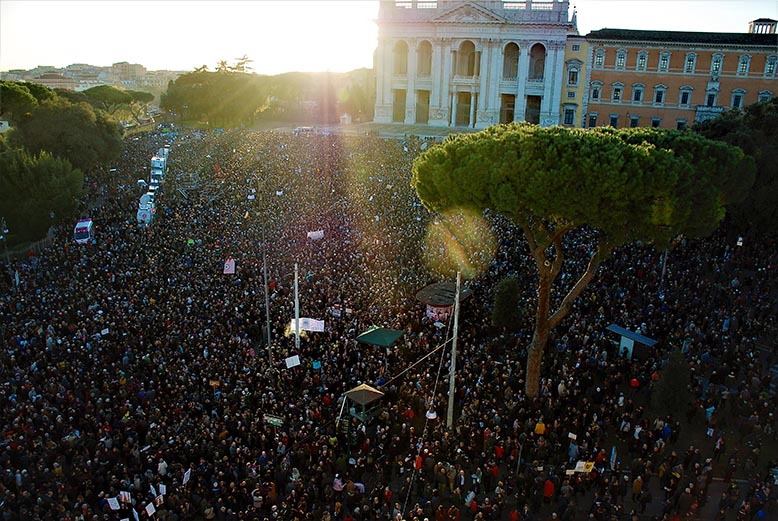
(308,324)
(318,234)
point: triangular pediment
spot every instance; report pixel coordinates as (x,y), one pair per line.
(469,13)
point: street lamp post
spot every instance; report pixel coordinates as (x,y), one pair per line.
(453,368)
(267,297)
(264,272)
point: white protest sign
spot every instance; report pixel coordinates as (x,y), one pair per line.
(229,266)
(292,361)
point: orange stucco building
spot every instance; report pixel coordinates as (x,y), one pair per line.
(671,79)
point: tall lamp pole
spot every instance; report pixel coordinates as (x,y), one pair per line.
(264,272)
(296,312)
(267,297)
(452,372)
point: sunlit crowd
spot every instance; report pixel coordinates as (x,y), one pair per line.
(137,381)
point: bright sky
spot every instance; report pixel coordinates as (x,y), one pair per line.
(280,36)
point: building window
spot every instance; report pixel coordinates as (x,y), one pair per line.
(715,64)
(640,65)
(596,90)
(621,59)
(764,96)
(664,61)
(575,47)
(680,124)
(710,99)
(634,121)
(770,65)
(737,98)
(659,94)
(655,122)
(572,76)
(742,65)
(571,94)
(599,59)
(686,96)
(614,122)
(569,116)
(691,62)
(637,92)
(617,92)
(593,120)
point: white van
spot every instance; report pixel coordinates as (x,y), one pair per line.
(84,232)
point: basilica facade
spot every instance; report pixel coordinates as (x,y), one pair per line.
(460,63)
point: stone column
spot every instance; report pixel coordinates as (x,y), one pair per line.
(437,73)
(440,97)
(384,71)
(489,95)
(520,106)
(553,73)
(410,93)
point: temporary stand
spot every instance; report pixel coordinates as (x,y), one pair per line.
(362,396)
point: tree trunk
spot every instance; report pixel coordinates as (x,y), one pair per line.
(537,346)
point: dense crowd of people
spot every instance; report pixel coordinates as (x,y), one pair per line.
(137,382)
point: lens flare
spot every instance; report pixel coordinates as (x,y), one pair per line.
(459,241)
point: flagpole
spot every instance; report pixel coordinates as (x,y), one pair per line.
(452,372)
(296,312)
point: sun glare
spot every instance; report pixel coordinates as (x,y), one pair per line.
(459,241)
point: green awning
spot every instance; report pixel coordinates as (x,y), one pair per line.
(380,336)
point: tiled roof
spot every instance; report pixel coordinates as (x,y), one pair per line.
(685,37)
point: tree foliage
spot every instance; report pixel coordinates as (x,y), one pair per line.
(32,187)
(72,131)
(671,394)
(221,98)
(108,98)
(41,92)
(505,314)
(639,184)
(16,101)
(755,131)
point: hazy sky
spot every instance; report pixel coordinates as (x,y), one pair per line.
(280,36)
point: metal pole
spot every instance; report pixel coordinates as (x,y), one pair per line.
(267,298)
(296,312)
(452,372)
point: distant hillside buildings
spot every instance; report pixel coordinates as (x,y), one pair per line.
(471,64)
(81,76)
